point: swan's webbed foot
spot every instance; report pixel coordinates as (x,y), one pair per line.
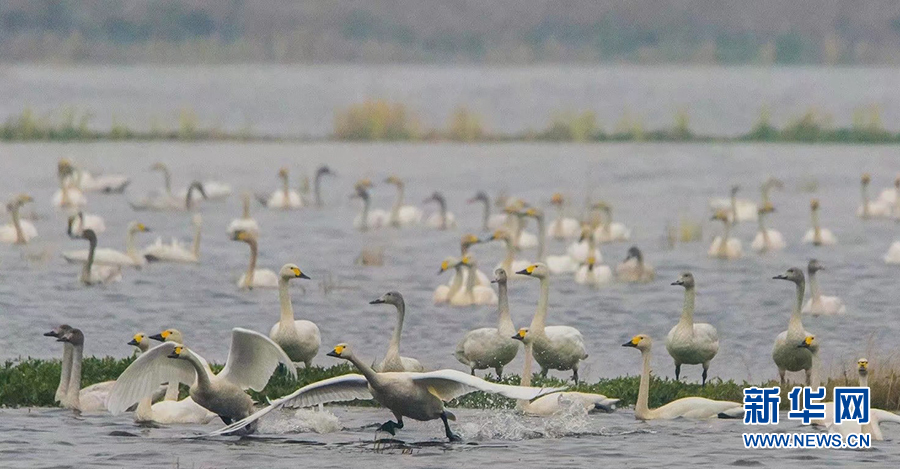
(575,376)
(499,371)
(391,427)
(472,371)
(703,383)
(454,438)
(544,372)
(678,371)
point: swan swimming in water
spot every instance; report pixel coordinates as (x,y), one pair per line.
(442,220)
(687,407)
(473,293)
(419,396)
(392,361)
(489,222)
(634,269)
(491,347)
(18,231)
(786,354)
(175,251)
(509,263)
(555,347)
(766,240)
(736,210)
(443,293)
(562,227)
(299,339)
(82,221)
(893,254)
(557,264)
(818,236)
(251,361)
(592,274)
(402,215)
(691,343)
(585,247)
(246,222)
(93,274)
(253,277)
(105,183)
(165,200)
(284,198)
(819,303)
(872,208)
(368,219)
(106,256)
(69,393)
(609,231)
(724,246)
(68,195)
(323,171)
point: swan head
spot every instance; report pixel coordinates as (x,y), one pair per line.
(169,335)
(395,180)
(58,331)
(72,336)
(448,263)
(180,351)
(499,235)
(245,236)
(641,342)
(138,227)
(198,186)
(364,183)
(360,192)
(814,204)
(522,334)
(23,199)
(340,351)
(814,266)
(685,280)
(863,366)
(766,208)
(480,196)
(810,343)
(586,233)
(289,271)
(602,206)
(773,183)
(140,341)
(793,274)
(283,172)
(538,270)
(557,199)
(720,215)
(591,262)
(499,276)
(634,253)
(89,235)
(533,212)
(436,197)
(734,189)
(866,179)
(469,240)
(389,298)
(324,170)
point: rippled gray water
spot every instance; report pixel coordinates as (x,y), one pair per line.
(648,184)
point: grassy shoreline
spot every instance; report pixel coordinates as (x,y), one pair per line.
(30,382)
(384,121)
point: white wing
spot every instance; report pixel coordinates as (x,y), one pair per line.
(337,389)
(252,360)
(450,384)
(142,378)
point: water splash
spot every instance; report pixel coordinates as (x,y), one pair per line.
(512,425)
(302,421)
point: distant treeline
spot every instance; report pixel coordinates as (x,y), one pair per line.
(379,120)
(474,31)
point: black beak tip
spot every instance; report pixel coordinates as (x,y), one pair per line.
(628,344)
(302,275)
(158,337)
(51,334)
(676,283)
(332,354)
(495,281)
(523,272)
(376,302)
(133,342)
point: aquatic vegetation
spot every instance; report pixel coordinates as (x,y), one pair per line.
(375,120)
(465,126)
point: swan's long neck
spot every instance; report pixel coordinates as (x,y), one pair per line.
(723,246)
(365,214)
(765,193)
(130,247)
(520,227)
(763,231)
(510,255)
(394,347)
(14,213)
(795,326)
(486,218)
(814,292)
(865,200)
(542,239)
(817,230)
(863,378)
(733,208)
(66,373)
(189,198)
(505,325)
(687,311)
(285,188)
(398,202)
(317,188)
(65,201)
(471,280)
(203,381)
(522,404)
(442,205)
(284,296)
(366,370)
(607,223)
(167,179)
(86,270)
(540,316)
(642,407)
(254,248)
(195,248)
(456,284)
(73,401)
(246,215)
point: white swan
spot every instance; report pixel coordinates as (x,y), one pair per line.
(872,208)
(473,293)
(299,339)
(491,347)
(170,410)
(609,231)
(106,256)
(253,277)
(392,361)
(212,190)
(90,399)
(725,247)
(557,264)
(251,361)
(368,218)
(687,407)
(817,235)
(402,215)
(18,231)
(819,303)
(893,254)
(165,200)
(766,187)
(691,343)
(105,183)
(737,210)
(323,171)
(509,263)
(93,274)
(592,274)
(465,243)
(284,198)
(585,247)
(555,347)
(419,396)
(489,222)
(68,195)
(634,269)
(891,196)
(442,220)
(175,251)
(562,227)
(82,221)
(766,240)
(443,293)
(786,354)
(246,222)
(516,223)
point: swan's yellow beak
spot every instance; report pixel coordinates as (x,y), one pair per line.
(176,352)
(807,342)
(338,350)
(470,239)
(298,273)
(136,340)
(141,227)
(863,364)
(521,334)
(633,342)
(527,270)
(444,266)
